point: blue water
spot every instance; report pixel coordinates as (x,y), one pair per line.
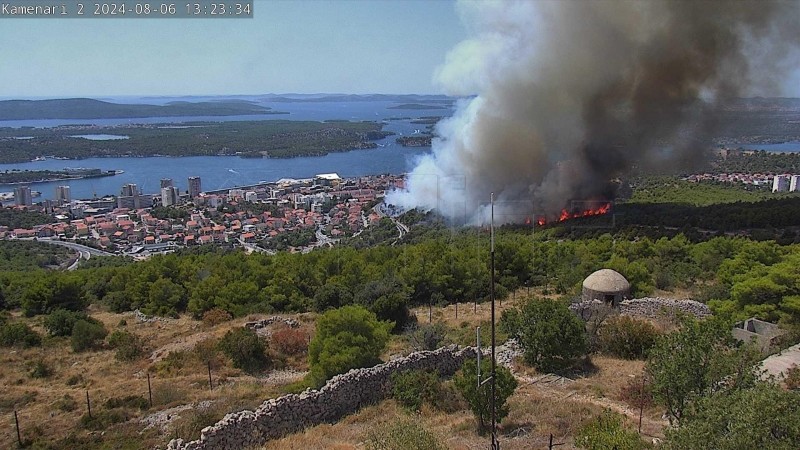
(218,172)
(786,147)
(100,137)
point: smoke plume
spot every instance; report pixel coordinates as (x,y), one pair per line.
(572,94)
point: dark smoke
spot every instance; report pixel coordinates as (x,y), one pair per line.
(575,93)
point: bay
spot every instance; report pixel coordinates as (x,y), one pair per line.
(785,147)
(221,172)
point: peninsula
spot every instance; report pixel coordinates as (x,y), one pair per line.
(44,176)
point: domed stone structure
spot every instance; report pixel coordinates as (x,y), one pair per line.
(606,285)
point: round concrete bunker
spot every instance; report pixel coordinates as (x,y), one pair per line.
(606,285)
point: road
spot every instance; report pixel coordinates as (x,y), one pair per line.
(82,249)
(84,252)
(401,228)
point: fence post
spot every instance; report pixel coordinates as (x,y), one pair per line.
(210,384)
(149,390)
(641,405)
(550,445)
(16,422)
(88,404)
(456,310)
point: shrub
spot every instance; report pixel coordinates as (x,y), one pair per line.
(606,432)
(167,394)
(207,352)
(627,337)
(245,349)
(192,422)
(128,345)
(792,378)
(479,398)
(549,333)
(40,369)
(66,403)
(19,335)
(347,338)
(402,435)
(61,321)
(290,341)
(216,316)
(74,380)
(173,363)
(412,388)
(101,420)
(637,392)
(129,401)
(426,336)
(87,334)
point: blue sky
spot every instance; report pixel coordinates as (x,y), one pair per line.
(303,46)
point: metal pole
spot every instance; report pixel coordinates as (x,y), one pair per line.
(495,444)
(16,421)
(149,390)
(88,404)
(478,346)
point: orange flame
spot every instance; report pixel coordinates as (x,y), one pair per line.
(566,215)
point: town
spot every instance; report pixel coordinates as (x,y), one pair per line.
(289,214)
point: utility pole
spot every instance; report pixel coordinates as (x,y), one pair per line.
(495,443)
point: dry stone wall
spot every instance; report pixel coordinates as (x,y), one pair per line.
(342,395)
(647,307)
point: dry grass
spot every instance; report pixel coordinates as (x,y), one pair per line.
(536,410)
(104,378)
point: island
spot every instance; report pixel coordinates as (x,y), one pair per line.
(416,106)
(419,140)
(86,108)
(17,176)
(262,138)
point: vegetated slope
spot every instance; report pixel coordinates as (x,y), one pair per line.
(272,138)
(28,255)
(86,108)
(704,193)
(15,218)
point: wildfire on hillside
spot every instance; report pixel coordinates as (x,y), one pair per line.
(602,208)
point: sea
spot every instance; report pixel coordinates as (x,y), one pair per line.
(221,172)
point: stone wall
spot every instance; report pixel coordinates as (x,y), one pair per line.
(342,395)
(647,307)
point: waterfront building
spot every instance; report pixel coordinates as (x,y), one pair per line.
(23,196)
(194,187)
(129,190)
(63,195)
(166,183)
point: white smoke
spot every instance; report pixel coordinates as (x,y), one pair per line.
(572,94)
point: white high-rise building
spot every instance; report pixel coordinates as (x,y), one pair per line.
(194,187)
(169,196)
(23,196)
(780,183)
(794,183)
(63,195)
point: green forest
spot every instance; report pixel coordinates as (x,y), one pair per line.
(736,276)
(270,138)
